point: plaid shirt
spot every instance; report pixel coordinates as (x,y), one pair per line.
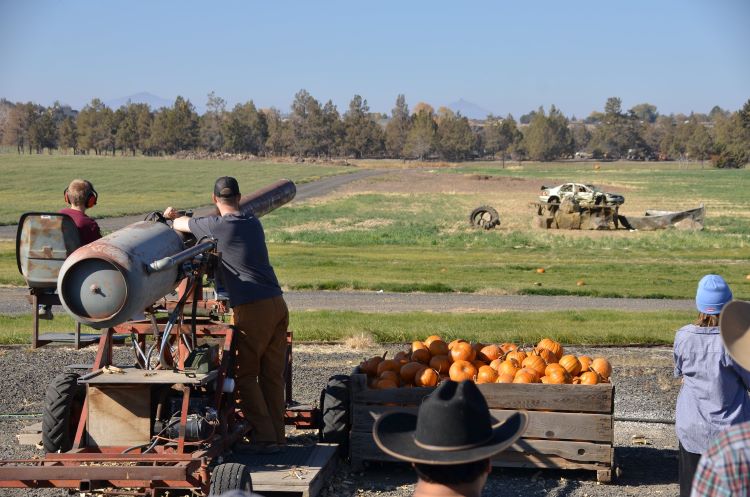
(725,469)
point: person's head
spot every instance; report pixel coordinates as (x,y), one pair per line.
(227,192)
(712,295)
(452,437)
(80,194)
(734,325)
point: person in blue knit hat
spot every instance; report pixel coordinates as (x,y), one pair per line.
(714,392)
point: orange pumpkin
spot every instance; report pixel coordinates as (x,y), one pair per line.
(486,375)
(525,377)
(504,378)
(536,363)
(462,370)
(589,378)
(390,375)
(478,364)
(532,372)
(388,365)
(544,379)
(585,362)
(409,370)
(421,355)
(462,351)
(454,342)
(496,364)
(370,366)
(385,384)
(490,352)
(571,364)
(430,339)
(426,377)
(602,367)
(508,366)
(438,347)
(416,345)
(548,356)
(507,347)
(517,355)
(551,345)
(552,367)
(440,363)
(558,377)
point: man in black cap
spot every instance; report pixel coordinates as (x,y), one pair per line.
(450,441)
(259,311)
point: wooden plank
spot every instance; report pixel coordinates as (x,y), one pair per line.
(363,447)
(555,425)
(570,398)
(521,460)
(133,375)
(293,471)
(32,428)
(119,416)
(29,438)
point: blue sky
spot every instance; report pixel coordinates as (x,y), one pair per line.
(505,56)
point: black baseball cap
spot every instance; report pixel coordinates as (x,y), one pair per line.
(226,186)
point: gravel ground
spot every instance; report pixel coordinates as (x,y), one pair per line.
(644,389)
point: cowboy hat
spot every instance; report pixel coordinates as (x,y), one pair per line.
(453,426)
(734,323)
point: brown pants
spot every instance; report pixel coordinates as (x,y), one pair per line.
(261,359)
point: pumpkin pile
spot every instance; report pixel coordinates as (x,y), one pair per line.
(432,360)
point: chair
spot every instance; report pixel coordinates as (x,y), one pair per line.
(43,241)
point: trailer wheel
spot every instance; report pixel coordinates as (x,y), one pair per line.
(63,403)
(230,476)
(484,217)
(334,409)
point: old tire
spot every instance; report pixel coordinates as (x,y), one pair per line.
(484,217)
(230,476)
(63,403)
(335,409)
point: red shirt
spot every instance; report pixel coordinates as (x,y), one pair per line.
(88,230)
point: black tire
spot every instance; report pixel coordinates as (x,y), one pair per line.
(553,200)
(230,476)
(63,403)
(484,217)
(335,411)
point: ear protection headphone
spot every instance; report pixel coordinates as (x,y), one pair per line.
(91,195)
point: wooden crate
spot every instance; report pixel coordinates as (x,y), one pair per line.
(570,426)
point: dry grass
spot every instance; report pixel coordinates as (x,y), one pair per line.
(359,341)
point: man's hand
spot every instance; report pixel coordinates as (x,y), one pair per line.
(170,213)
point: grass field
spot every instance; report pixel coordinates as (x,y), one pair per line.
(581,328)
(408,231)
(133,185)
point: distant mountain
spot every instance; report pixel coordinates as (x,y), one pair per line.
(140,98)
(469,109)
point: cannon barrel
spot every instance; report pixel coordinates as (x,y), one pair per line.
(117,277)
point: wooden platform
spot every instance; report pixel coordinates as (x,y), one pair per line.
(300,469)
(132,375)
(570,426)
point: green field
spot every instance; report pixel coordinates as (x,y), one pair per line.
(569,327)
(381,235)
(133,185)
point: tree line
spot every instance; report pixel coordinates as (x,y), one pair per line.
(312,129)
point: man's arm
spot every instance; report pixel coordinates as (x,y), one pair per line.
(181,223)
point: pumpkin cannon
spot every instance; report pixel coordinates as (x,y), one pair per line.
(163,422)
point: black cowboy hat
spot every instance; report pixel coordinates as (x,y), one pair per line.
(453,426)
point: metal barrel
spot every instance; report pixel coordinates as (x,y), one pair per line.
(108,281)
(265,200)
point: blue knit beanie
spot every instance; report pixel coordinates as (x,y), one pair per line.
(713,293)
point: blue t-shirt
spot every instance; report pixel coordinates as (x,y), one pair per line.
(245,268)
(714,392)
